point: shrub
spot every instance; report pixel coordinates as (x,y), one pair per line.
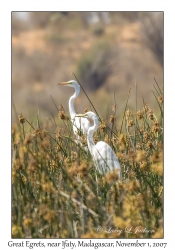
(95,66)
(57,192)
(152,32)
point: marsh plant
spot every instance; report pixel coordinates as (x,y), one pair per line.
(58,193)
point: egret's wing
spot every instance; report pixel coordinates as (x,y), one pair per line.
(105,158)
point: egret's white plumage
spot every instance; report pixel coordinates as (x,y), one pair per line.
(79,123)
(103,155)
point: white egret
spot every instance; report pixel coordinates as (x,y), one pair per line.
(104,157)
(79,124)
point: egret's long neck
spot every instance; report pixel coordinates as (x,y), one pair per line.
(71,102)
(90,133)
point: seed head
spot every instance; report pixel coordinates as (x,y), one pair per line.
(102,126)
(141,130)
(58,132)
(86,110)
(156,123)
(123,141)
(13,130)
(96,139)
(130,123)
(139,146)
(112,118)
(112,176)
(28,139)
(62,115)
(48,187)
(141,156)
(158,168)
(77,169)
(139,115)
(128,114)
(114,140)
(160,99)
(60,108)
(41,133)
(149,145)
(151,115)
(106,139)
(21,118)
(79,132)
(27,222)
(146,135)
(155,129)
(114,108)
(24,179)
(50,216)
(146,108)
(17,232)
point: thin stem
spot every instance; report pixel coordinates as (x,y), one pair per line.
(158,86)
(53,118)
(158,103)
(16,115)
(87,97)
(38,124)
(79,203)
(54,103)
(125,110)
(92,104)
(136,114)
(29,123)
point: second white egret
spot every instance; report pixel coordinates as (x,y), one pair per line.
(104,157)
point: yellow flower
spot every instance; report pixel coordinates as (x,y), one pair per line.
(24,179)
(143,165)
(43,208)
(93,234)
(158,168)
(17,232)
(48,187)
(27,222)
(112,176)
(13,176)
(77,169)
(158,234)
(50,216)
(119,222)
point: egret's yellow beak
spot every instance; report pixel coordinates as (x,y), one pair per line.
(64,83)
(81,115)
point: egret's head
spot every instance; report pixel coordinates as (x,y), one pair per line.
(70,83)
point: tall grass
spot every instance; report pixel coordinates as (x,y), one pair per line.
(57,192)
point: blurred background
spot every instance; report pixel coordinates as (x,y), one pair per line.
(107,51)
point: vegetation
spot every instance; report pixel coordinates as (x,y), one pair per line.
(57,192)
(152,32)
(94,67)
(108,51)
